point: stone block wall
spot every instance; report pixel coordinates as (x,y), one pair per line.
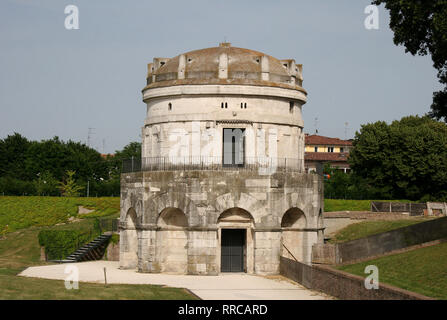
(341,284)
(201,198)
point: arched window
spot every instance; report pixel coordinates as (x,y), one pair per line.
(169,106)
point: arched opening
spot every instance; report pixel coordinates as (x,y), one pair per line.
(293,236)
(236,249)
(172,240)
(129,241)
(293,218)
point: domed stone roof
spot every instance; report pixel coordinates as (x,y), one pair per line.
(224,65)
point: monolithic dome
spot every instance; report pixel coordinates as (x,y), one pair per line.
(220,186)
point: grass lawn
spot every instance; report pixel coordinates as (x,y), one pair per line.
(368,228)
(13,287)
(331,205)
(422,270)
(20,249)
(23,212)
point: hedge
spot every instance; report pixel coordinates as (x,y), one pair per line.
(61,243)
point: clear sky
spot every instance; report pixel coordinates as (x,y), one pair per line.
(55,81)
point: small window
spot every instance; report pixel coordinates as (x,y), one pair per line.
(316,149)
(291,106)
(330,149)
(341,149)
(169,106)
(222,105)
(226,105)
(245,105)
(242,105)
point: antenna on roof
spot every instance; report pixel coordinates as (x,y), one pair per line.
(316,125)
(89,135)
(346,130)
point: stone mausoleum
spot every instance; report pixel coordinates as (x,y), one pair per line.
(221,185)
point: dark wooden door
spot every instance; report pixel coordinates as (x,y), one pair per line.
(232,250)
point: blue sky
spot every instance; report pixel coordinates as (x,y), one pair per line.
(60,82)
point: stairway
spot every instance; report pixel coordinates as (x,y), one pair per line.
(93,250)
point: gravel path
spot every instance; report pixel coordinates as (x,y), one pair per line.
(225,286)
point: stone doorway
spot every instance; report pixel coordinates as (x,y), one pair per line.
(233,250)
(235,230)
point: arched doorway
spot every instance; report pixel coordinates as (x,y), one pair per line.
(236,249)
(129,241)
(293,241)
(172,240)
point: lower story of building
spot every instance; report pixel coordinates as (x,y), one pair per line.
(212,222)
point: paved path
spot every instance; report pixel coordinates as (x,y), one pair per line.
(225,286)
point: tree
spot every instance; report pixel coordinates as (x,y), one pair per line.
(13,151)
(132,149)
(68,187)
(421,26)
(404,160)
(46,184)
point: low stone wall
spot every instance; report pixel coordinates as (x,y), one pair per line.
(113,251)
(341,284)
(381,243)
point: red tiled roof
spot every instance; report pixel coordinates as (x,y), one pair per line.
(326,156)
(316,139)
(105,155)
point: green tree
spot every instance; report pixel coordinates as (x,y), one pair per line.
(421,26)
(46,184)
(57,156)
(68,187)
(13,151)
(404,160)
(132,149)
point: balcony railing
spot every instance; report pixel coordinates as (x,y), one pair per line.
(265,165)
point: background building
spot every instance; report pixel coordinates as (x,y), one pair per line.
(322,150)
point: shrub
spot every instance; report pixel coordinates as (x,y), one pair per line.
(61,243)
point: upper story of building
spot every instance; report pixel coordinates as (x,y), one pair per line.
(224,102)
(224,83)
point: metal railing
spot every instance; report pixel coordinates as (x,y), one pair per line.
(262,164)
(108,224)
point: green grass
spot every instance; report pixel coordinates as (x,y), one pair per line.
(331,205)
(422,270)
(21,249)
(23,212)
(368,228)
(13,287)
